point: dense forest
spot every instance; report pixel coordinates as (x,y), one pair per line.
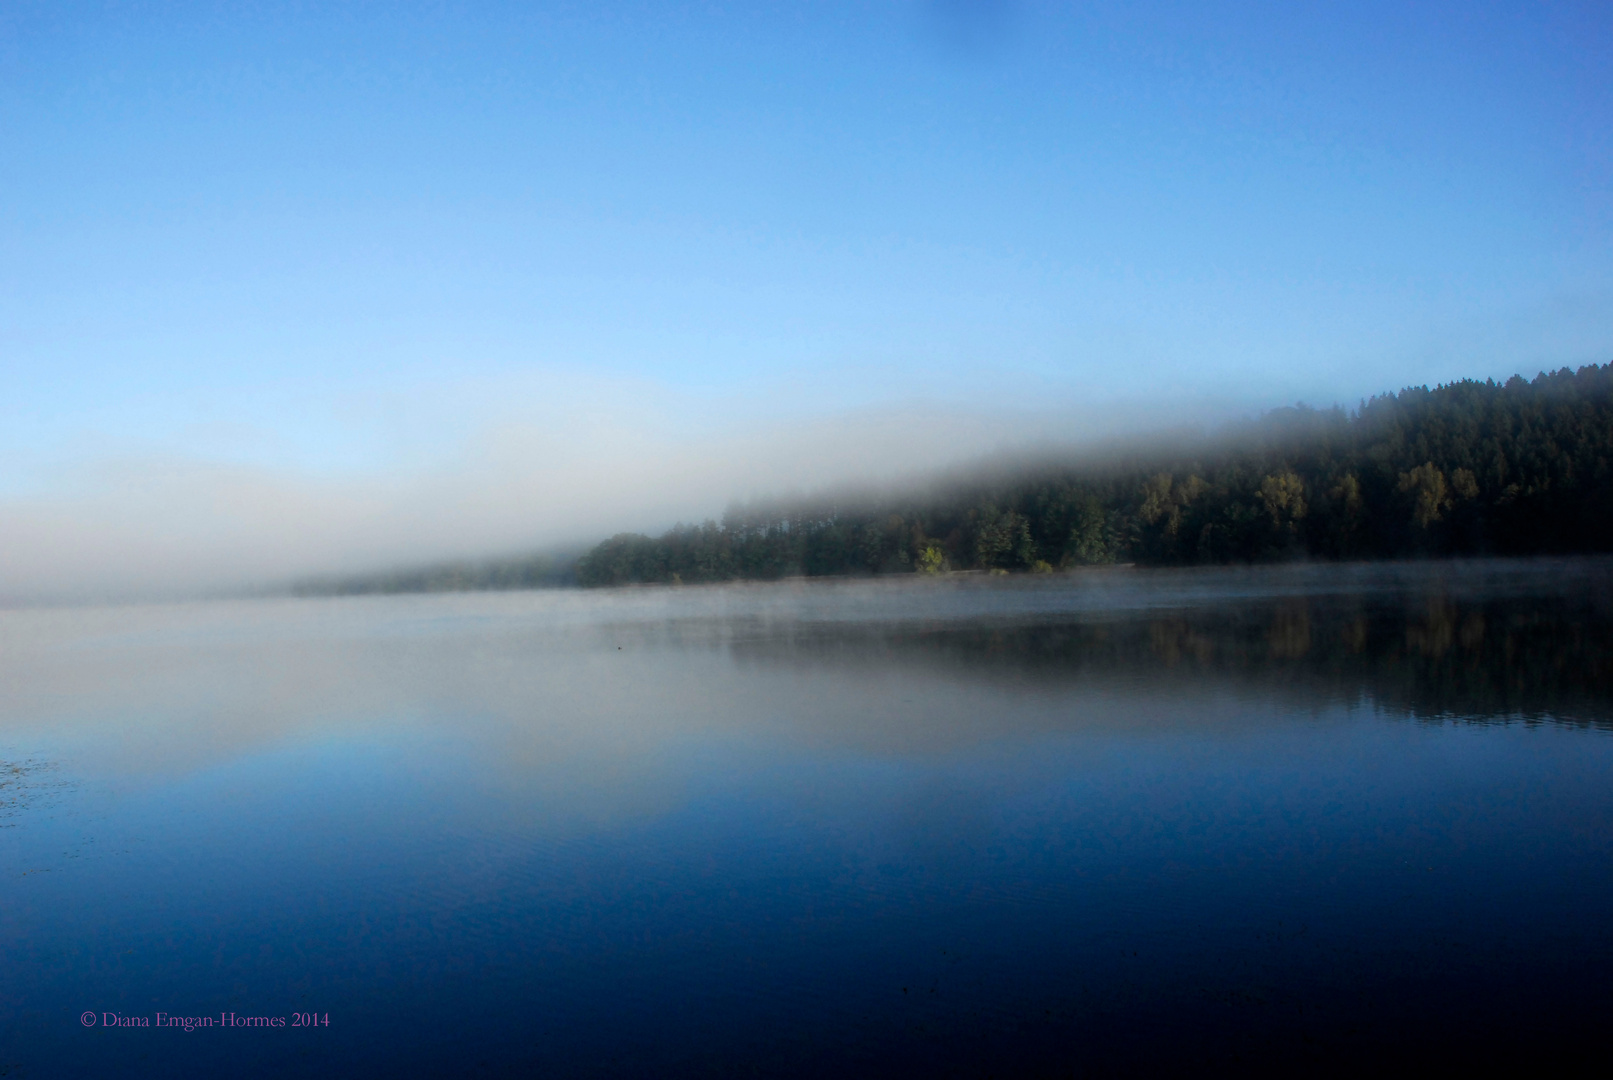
(1470,468)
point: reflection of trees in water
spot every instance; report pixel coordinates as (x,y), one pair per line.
(1434,656)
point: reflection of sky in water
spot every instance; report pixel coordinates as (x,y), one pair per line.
(801,828)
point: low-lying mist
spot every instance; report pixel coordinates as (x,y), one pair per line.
(589,488)
(144,524)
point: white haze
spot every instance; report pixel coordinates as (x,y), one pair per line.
(130,524)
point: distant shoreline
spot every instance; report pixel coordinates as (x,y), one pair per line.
(1466,469)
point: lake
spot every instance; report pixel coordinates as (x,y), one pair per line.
(1110,822)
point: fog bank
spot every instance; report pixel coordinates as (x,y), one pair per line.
(121,525)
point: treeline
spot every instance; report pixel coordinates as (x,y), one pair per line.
(527,572)
(1521,467)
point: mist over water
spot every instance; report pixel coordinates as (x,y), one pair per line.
(1120,819)
(969,425)
(140,525)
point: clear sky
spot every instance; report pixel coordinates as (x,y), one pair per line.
(386,251)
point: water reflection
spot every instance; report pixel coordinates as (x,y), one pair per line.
(1433,656)
(1118,822)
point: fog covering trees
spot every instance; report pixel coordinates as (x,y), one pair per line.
(529,572)
(1469,468)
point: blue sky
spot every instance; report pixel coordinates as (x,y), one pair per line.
(362,244)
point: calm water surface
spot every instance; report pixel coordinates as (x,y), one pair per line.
(1117,822)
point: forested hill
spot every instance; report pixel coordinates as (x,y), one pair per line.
(1470,468)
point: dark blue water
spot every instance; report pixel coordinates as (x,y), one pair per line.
(1116,823)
